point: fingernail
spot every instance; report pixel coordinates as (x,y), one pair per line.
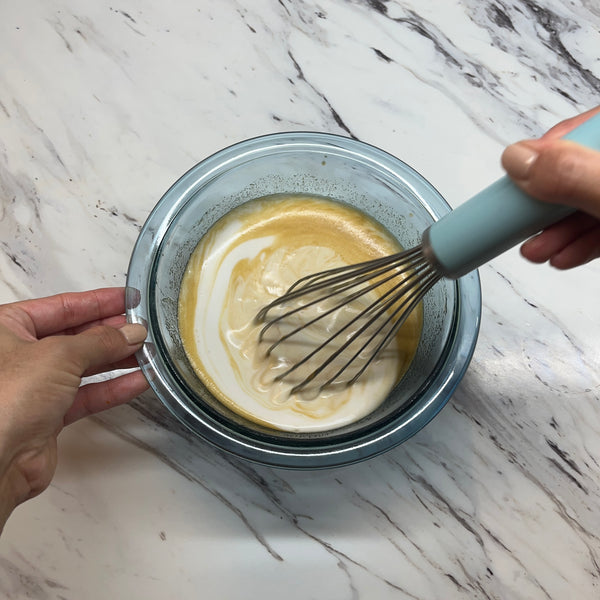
(134,333)
(518,160)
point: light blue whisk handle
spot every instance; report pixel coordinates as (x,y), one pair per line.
(496,219)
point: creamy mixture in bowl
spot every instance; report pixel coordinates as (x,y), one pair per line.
(247,259)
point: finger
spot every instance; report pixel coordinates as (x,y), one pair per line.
(54,314)
(96,397)
(582,250)
(557,171)
(564,127)
(555,238)
(95,348)
(115,322)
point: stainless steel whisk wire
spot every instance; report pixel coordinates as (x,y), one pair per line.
(417,277)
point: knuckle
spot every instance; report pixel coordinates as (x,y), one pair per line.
(558,174)
(68,307)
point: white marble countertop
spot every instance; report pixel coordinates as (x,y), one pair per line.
(104,105)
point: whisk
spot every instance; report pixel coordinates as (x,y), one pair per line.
(386,290)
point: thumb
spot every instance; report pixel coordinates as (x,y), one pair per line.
(103,345)
(556,170)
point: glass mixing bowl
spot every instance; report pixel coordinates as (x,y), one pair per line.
(308,163)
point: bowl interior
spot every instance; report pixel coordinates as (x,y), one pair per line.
(392,201)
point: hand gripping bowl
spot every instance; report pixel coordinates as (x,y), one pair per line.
(307,163)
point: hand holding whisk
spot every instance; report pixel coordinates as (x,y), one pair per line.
(360,308)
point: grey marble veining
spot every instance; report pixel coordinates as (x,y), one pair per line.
(103,106)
